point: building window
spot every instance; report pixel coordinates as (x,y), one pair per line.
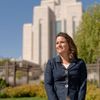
(73,24)
(78,0)
(51,38)
(32,46)
(40,33)
(65,26)
(58,27)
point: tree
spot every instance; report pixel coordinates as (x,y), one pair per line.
(3,61)
(87,37)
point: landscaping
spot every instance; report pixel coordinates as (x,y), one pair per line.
(37,92)
(24,98)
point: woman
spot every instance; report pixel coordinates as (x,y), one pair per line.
(65,74)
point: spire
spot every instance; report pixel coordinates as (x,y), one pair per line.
(69,1)
(43,2)
(58,1)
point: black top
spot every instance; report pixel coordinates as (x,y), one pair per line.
(61,82)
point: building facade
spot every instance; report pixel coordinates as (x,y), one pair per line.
(50,18)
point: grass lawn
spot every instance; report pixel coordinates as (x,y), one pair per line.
(27,98)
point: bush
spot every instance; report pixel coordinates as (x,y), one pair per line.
(28,90)
(37,90)
(93,93)
(3,84)
(3,95)
(41,91)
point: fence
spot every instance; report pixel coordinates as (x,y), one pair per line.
(20,72)
(24,72)
(93,71)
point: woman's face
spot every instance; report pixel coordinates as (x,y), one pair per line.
(62,45)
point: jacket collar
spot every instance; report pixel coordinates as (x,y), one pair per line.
(58,59)
(73,62)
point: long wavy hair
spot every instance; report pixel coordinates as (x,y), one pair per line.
(72,47)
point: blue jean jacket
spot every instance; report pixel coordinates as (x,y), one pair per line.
(61,83)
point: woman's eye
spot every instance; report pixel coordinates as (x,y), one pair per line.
(56,42)
(62,42)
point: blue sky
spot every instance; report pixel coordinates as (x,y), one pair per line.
(13,14)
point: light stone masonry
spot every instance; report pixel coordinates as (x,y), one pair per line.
(50,17)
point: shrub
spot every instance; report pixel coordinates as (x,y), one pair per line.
(3,95)
(93,93)
(37,90)
(28,90)
(41,91)
(3,84)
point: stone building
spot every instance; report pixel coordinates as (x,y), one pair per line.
(50,17)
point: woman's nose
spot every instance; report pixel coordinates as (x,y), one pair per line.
(59,44)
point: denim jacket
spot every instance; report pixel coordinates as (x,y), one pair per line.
(61,83)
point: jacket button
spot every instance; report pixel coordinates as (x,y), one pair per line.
(66,85)
(66,72)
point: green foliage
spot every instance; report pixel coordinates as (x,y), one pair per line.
(37,90)
(87,37)
(19,74)
(3,61)
(93,93)
(2,95)
(24,98)
(3,84)
(28,90)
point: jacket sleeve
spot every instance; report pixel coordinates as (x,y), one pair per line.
(83,81)
(49,82)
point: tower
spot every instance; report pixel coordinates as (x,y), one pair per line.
(50,17)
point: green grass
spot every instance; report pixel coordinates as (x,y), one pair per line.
(26,98)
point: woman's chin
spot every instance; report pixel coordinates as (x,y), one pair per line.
(60,53)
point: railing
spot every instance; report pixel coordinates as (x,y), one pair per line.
(93,71)
(22,72)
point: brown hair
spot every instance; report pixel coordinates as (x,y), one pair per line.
(71,44)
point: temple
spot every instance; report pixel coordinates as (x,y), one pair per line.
(49,18)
